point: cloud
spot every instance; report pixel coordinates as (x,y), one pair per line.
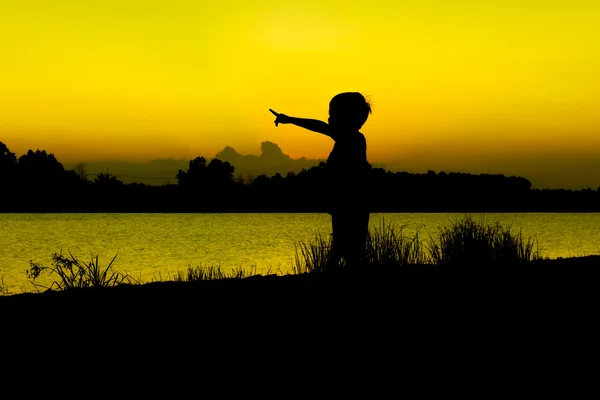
(272,160)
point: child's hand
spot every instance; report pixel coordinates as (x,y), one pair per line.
(281,118)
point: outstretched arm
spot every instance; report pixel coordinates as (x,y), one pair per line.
(310,124)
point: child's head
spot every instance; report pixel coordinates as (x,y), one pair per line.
(349,110)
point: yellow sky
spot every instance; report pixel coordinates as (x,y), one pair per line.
(142,79)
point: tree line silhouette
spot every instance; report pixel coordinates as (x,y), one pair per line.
(38,182)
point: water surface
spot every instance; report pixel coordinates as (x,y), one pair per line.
(157,246)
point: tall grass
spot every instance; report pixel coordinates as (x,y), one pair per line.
(315,257)
(468,243)
(72,273)
(465,244)
(211,272)
(388,246)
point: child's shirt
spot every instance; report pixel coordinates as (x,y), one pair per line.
(349,171)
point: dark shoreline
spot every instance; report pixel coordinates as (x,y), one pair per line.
(412,279)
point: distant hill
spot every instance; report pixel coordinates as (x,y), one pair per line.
(160,172)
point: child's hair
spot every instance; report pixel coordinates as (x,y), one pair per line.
(353,106)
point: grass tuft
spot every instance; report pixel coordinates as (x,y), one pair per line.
(315,257)
(387,246)
(473,244)
(74,273)
(212,272)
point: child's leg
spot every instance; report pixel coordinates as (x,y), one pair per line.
(358,230)
(337,241)
(350,232)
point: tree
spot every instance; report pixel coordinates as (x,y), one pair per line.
(199,174)
(8,162)
(262,183)
(107,181)
(195,175)
(7,159)
(219,173)
(81,172)
(239,179)
(39,169)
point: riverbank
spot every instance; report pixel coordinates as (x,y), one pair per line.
(414,279)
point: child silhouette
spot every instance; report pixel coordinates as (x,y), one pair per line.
(348,170)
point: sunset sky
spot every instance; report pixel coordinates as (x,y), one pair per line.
(477,86)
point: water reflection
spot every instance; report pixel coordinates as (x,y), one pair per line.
(150,246)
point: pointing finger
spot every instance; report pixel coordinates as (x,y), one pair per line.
(274,113)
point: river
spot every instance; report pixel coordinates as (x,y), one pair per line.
(156,246)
